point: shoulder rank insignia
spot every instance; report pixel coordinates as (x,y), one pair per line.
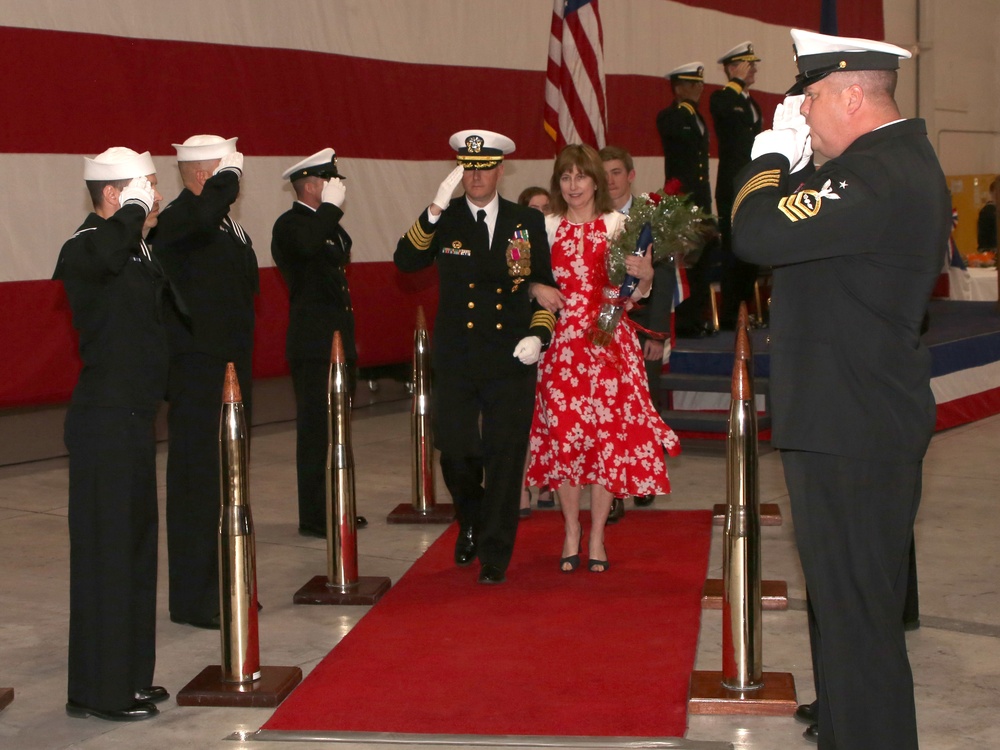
(806,203)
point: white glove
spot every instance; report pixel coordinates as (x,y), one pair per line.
(443,197)
(528,350)
(807,153)
(139,192)
(233,161)
(787,116)
(789,137)
(334,191)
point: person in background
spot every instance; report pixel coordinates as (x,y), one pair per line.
(312,250)
(651,313)
(535,197)
(986,224)
(737,120)
(684,138)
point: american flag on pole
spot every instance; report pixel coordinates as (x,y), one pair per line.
(576,109)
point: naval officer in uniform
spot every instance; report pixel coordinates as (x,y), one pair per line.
(209,258)
(312,250)
(116,292)
(856,249)
(488,336)
(737,119)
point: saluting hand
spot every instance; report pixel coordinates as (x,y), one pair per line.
(334,191)
(232,162)
(447,187)
(138,192)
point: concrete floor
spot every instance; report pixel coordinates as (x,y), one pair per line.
(955,654)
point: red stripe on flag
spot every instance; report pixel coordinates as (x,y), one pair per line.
(259,106)
(854,17)
(588,114)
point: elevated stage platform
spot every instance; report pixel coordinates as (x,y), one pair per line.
(963,337)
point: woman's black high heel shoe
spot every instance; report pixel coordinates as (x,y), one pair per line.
(573,560)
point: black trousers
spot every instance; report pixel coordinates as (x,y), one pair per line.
(310,379)
(194,390)
(113,523)
(483,467)
(853,527)
(738,276)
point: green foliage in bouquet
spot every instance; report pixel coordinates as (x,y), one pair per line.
(680,230)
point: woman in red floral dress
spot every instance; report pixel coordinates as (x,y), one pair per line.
(594,423)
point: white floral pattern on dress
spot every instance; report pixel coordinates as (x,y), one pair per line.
(594,421)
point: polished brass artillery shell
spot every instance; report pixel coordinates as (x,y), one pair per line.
(422,463)
(237,564)
(341,519)
(741,568)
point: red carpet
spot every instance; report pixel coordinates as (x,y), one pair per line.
(546,653)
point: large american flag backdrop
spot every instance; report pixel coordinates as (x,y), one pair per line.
(384,82)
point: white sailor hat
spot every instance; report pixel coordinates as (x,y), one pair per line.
(742,52)
(692,71)
(819,55)
(321,164)
(480,149)
(118,163)
(204,148)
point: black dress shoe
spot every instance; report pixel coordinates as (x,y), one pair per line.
(136,712)
(643,501)
(807,713)
(465,546)
(361,522)
(811,734)
(491,574)
(212,623)
(152,694)
(617,510)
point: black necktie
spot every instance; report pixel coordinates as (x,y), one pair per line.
(482,231)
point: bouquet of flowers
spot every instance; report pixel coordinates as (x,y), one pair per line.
(679,230)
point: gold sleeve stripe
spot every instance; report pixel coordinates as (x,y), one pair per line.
(770,178)
(688,106)
(543,318)
(418,237)
(735,87)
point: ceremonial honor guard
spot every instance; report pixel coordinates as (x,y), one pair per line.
(684,135)
(487,339)
(737,119)
(116,292)
(209,257)
(312,250)
(856,250)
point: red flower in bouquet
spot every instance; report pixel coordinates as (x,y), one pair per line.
(672,187)
(653,199)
